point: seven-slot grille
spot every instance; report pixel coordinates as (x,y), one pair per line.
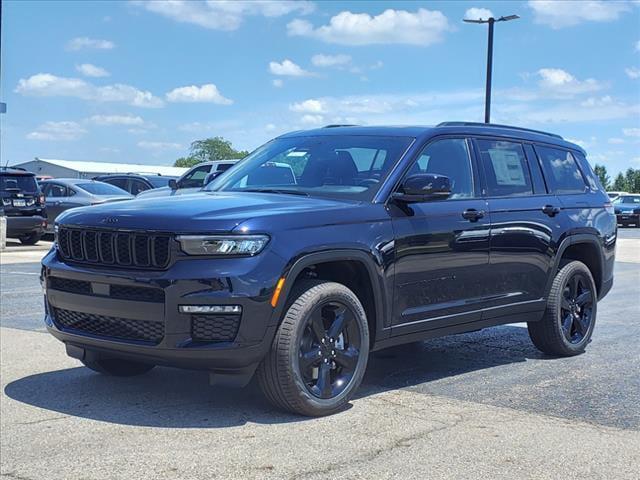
(113,247)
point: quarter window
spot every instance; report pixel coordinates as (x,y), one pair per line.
(449,157)
(506,169)
(561,171)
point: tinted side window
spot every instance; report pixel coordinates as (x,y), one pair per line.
(195,178)
(55,191)
(561,170)
(138,186)
(118,182)
(592,179)
(506,169)
(449,157)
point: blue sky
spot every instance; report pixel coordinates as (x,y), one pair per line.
(137,81)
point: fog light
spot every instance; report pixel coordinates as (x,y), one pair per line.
(210,309)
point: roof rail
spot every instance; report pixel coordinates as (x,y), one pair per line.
(336,125)
(9,167)
(510,127)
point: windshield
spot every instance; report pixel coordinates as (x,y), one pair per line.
(341,166)
(631,199)
(99,188)
(22,183)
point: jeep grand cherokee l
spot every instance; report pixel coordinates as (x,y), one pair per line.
(386,235)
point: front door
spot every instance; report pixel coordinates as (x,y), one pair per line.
(441,246)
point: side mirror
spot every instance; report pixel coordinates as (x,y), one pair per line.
(210,177)
(173,185)
(424,187)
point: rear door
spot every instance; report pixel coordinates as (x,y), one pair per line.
(524,226)
(55,195)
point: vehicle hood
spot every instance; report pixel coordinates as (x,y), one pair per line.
(626,208)
(203,212)
(166,192)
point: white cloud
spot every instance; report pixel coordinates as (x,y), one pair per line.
(159,146)
(277,82)
(478,14)
(637,46)
(57,131)
(208,93)
(632,72)
(288,68)
(340,60)
(616,141)
(308,106)
(312,119)
(562,13)
(89,70)
(82,43)
(128,120)
(558,81)
(631,132)
(423,27)
(48,85)
(270,127)
(224,15)
(597,102)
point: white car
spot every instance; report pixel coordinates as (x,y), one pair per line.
(192,180)
(614,195)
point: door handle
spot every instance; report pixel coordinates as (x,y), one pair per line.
(551,210)
(472,214)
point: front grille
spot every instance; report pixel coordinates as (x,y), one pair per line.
(114,248)
(119,292)
(110,327)
(214,328)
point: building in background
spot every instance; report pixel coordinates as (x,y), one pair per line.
(48,167)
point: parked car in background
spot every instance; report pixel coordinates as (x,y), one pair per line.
(627,208)
(614,195)
(384,236)
(64,193)
(23,204)
(135,183)
(192,180)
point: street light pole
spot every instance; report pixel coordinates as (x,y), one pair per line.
(491,21)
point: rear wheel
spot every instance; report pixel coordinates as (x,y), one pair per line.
(570,315)
(115,366)
(319,354)
(30,239)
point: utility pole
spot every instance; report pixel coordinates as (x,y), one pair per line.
(491,21)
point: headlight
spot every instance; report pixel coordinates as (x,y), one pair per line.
(55,234)
(31,202)
(222,244)
(6,202)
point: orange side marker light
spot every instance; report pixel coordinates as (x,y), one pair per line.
(276,292)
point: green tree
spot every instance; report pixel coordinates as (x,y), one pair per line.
(620,183)
(601,172)
(214,148)
(632,178)
(186,162)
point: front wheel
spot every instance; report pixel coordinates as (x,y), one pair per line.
(320,351)
(570,316)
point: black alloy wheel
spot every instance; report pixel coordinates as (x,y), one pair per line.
(576,308)
(329,350)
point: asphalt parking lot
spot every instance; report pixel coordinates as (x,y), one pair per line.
(480,405)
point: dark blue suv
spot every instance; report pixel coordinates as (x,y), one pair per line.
(324,245)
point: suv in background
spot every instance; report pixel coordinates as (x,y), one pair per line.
(382,236)
(135,183)
(23,204)
(627,208)
(194,179)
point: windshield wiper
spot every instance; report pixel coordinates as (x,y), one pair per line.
(275,190)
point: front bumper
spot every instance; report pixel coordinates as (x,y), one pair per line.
(24,225)
(191,281)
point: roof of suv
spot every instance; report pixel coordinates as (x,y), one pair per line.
(15,171)
(467,128)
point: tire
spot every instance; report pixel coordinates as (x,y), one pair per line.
(30,239)
(567,325)
(286,374)
(115,367)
